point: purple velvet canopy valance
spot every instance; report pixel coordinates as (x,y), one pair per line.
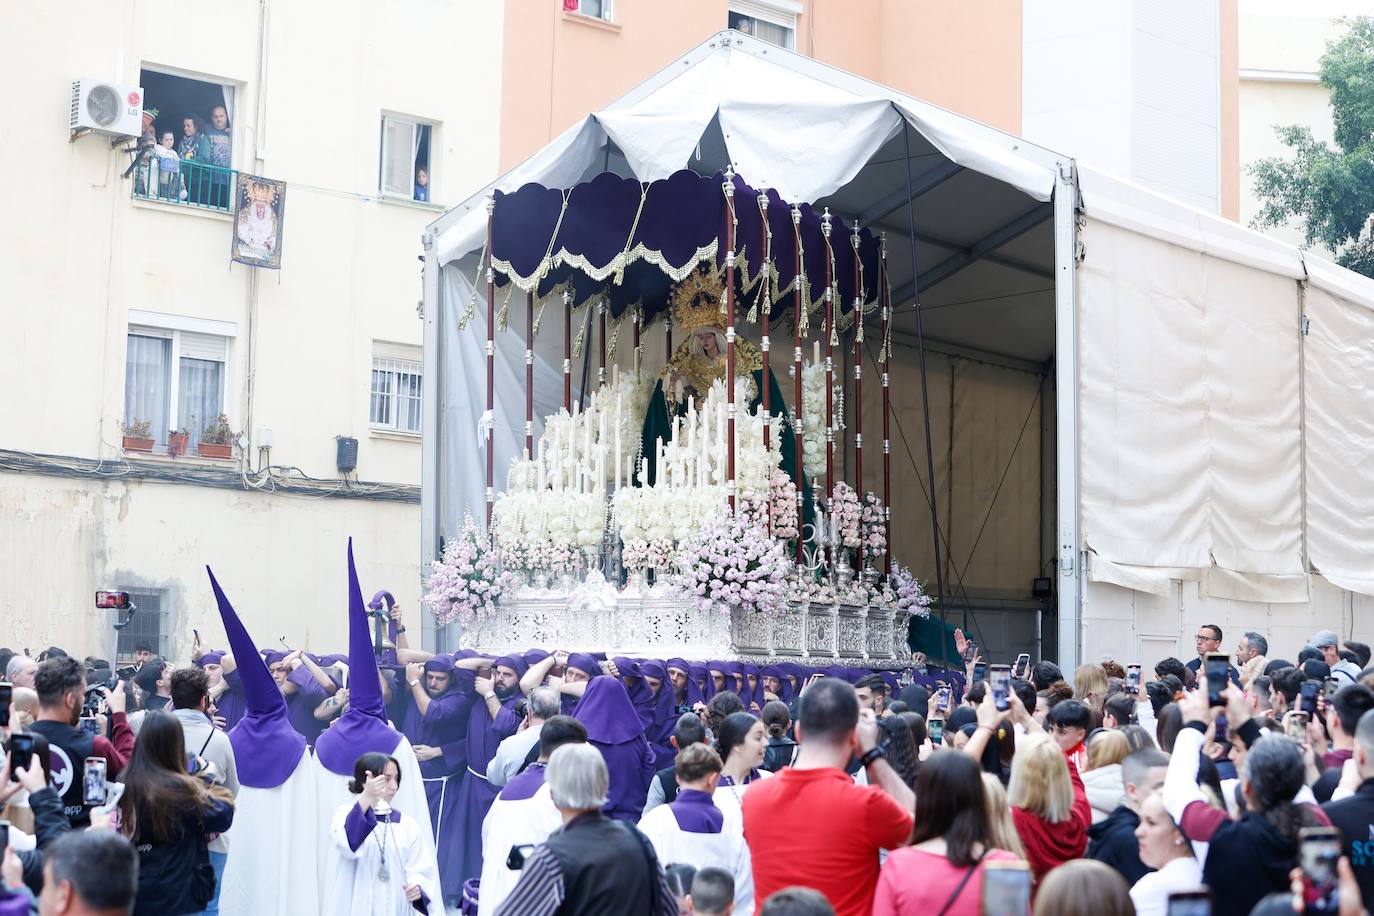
(628,242)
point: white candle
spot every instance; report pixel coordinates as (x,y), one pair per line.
(617,439)
(816,351)
(553,462)
(644,472)
(539,467)
(615,375)
(601,452)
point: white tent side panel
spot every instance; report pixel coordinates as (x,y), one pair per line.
(1190,436)
(1339,376)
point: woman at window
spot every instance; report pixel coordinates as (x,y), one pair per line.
(941,871)
(170,816)
(194,149)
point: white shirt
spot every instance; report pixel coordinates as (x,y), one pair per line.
(1151,893)
(511,754)
(725,849)
(519,822)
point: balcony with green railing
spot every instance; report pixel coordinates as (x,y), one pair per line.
(184,182)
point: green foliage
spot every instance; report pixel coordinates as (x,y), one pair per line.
(1331,189)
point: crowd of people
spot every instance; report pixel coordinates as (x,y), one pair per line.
(564,782)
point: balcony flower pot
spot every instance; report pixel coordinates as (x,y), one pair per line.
(176,443)
(215,450)
(137,444)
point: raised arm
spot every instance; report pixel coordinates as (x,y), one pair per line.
(324,680)
(540,670)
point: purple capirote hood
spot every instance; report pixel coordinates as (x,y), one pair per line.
(266,747)
(363,728)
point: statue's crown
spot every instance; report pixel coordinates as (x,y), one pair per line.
(696,301)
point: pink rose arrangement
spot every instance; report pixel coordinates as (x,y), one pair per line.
(874,535)
(651,554)
(911,597)
(847,514)
(467,583)
(782,506)
(733,563)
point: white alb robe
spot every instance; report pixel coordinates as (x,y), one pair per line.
(725,849)
(355,888)
(511,823)
(276,842)
(332,791)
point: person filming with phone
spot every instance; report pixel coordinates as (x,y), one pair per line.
(61,686)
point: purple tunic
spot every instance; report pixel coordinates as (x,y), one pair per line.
(525,784)
(231,705)
(463,856)
(309,694)
(613,727)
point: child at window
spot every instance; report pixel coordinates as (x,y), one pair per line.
(422,184)
(169,185)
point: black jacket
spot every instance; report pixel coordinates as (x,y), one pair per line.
(1113,842)
(172,876)
(1355,817)
(49,823)
(1246,860)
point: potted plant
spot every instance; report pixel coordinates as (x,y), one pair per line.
(217,439)
(177,439)
(137,435)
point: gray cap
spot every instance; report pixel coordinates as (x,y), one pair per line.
(1323,638)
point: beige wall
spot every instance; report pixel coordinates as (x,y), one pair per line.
(85,255)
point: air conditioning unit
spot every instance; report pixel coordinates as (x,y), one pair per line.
(107,108)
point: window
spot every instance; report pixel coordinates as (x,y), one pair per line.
(395,402)
(174,378)
(148,625)
(773,22)
(405,158)
(596,9)
(186,153)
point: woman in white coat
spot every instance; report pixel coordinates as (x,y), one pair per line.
(382,866)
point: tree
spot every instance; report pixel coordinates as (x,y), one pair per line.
(1331,188)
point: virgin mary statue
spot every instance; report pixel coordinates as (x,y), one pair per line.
(699,361)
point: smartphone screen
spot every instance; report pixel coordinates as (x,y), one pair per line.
(1218,672)
(6,697)
(1295,726)
(1190,903)
(942,699)
(980,673)
(1022,669)
(1001,687)
(1320,849)
(93,781)
(1006,889)
(90,725)
(936,729)
(4,835)
(21,754)
(1330,687)
(1219,733)
(1133,679)
(1308,693)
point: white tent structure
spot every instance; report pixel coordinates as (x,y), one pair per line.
(1163,413)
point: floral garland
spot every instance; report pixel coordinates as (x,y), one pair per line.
(782,506)
(734,564)
(813,412)
(874,526)
(467,583)
(847,514)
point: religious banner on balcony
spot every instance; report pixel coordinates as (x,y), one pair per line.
(258,213)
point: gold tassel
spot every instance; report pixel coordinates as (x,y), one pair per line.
(615,335)
(503,315)
(539,316)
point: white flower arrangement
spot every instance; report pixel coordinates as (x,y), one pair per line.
(813,413)
(633,391)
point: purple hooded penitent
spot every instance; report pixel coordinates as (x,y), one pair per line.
(363,728)
(266,747)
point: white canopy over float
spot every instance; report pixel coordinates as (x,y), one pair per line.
(1120,394)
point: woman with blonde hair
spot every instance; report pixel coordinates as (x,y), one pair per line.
(1090,686)
(1102,779)
(1001,831)
(1048,805)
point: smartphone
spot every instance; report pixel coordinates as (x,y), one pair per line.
(1319,851)
(1219,735)
(1295,726)
(1330,687)
(1022,667)
(118,601)
(1006,888)
(1307,695)
(970,651)
(980,673)
(4,835)
(942,699)
(935,728)
(1133,679)
(6,697)
(1218,673)
(93,782)
(515,860)
(21,753)
(90,725)
(1000,682)
(682,709)
(1197,902)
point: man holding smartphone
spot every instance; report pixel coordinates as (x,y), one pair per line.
(1208,641)
(61,687)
